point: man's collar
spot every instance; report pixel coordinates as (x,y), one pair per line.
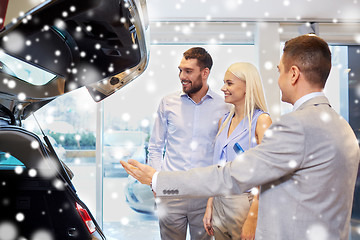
(209,93)
(305,98)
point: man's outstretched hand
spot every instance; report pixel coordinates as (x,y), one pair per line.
(142,172)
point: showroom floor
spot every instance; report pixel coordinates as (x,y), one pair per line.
(146,228)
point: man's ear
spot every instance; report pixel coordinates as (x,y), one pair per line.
(295,74)
(205,73)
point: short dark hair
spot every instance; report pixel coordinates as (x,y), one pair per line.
(311,54)
(203,57)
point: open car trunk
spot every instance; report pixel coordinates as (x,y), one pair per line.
(61,45)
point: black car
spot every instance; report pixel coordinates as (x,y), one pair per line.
(56,47)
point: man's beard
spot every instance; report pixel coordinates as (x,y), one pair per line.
(196,86)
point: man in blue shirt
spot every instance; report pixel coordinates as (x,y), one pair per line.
(186,125)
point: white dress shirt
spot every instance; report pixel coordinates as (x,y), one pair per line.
(187,130)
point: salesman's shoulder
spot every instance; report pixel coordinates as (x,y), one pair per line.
(315,111)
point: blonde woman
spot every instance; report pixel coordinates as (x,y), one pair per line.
(235,217)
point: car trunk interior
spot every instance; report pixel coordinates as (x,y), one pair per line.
(30,199)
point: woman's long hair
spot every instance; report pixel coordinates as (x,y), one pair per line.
(254,97)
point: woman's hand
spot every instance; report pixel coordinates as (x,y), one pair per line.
(208,218)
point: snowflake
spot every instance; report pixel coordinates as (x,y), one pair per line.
(77,137)
(42,235)
(286,3)
(20,217)
(60,24)
(45,171)
(126,117)
(19,170)
(325,117)
(317,232)
(34,144)
(14,42)
(194,145)
(32,173)
(186,30)
(11,84)
(58,184)
(8,231)
(268,133)
(73,86)
(268,65)
(292,164)
(22,96)
(125,221)
(254,191)
(145,123)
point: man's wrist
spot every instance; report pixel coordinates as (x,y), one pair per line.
(153,181)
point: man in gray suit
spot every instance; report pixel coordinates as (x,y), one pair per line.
(306,164)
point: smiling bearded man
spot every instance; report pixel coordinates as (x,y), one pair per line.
(186,124)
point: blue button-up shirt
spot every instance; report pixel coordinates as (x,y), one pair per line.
(187,130)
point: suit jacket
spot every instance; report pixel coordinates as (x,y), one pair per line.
(306,165)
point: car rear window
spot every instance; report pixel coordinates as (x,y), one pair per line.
(7,161)
(24,71)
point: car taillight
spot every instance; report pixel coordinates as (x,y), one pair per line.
(86,218)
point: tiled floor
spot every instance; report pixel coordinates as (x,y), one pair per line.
(143,228)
